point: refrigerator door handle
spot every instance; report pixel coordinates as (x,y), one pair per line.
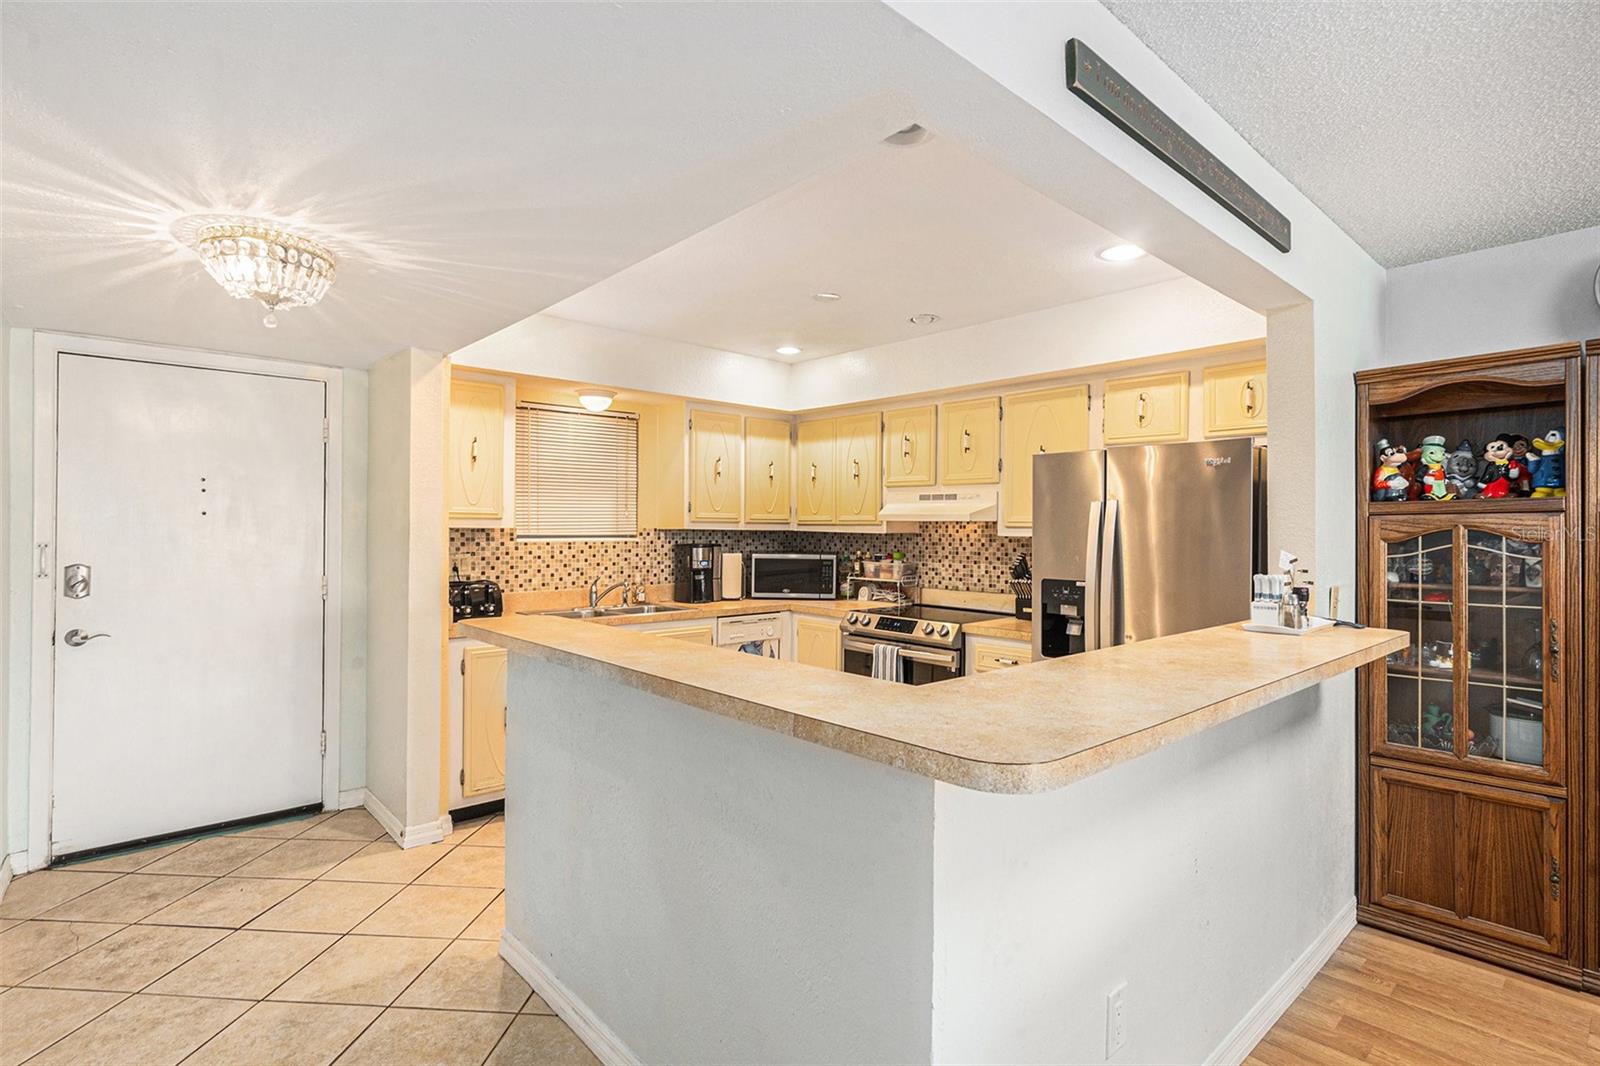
(1106,606)
(1091,581)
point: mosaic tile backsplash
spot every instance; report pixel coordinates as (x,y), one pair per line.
(963,556)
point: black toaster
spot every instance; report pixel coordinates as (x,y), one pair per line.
(474,599)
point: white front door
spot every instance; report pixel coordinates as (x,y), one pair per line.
(194,498)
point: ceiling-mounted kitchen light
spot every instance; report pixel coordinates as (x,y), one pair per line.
(826,297)
(257,259)
(1122,253)
(596,399)
(787,349)
(912,134)
(923,320)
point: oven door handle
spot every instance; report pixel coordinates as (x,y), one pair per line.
(947,659)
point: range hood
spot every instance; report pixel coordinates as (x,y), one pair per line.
(941,507)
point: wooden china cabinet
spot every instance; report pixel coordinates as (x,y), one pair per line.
(1476,756)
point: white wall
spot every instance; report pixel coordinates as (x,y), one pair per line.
(1195,875)
(353,579)
(405,588)
(1170,316)
(1515,296)
(713,891)
(5,581)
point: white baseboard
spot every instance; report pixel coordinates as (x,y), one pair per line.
(352,797)
(18,863)
(5,875)
(407,836)
(1261,1017)
(606,1045)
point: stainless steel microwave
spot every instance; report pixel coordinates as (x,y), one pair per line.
(794,577)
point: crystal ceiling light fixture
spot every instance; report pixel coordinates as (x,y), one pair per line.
(257,259)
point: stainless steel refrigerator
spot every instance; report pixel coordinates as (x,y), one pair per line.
(1144,541)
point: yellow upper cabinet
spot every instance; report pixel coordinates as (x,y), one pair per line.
(1154,407)
(766,470)
(714,448)
(969,432)
(908,447)
(476,486)
(814,475)
(858,484)
(1049,420)
(1236,399)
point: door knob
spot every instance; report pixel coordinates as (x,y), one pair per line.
(77,638)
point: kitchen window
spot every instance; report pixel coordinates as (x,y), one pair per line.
(577,472)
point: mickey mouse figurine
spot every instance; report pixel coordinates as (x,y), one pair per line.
(1431,455)
(1499,470)
(1388,483)
(1550,476)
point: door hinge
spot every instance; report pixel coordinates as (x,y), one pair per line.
(324,742)
(1000,411)
(324,588)
(463,667)
(462,778)
(324,430)
(1555,879)
(1000,464)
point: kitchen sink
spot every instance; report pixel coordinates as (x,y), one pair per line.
(610,612)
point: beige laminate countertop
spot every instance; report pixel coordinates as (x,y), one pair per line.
(1030,728)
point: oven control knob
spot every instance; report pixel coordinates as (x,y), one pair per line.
(855,619)
(927,627)
(944,631)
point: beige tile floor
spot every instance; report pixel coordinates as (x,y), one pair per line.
(309,941)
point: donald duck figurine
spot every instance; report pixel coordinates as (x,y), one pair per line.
(1550,474)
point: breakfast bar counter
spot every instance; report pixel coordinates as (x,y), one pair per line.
(1027,729)
(718,858)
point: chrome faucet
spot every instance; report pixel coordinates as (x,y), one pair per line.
(595,595)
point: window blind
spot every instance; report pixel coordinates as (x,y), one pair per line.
(577,473)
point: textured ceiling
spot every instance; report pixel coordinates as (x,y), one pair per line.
(895,232)
(1422,129)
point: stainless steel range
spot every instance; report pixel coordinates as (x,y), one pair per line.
(930,639)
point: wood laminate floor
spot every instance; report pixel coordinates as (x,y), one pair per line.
(1386,1000)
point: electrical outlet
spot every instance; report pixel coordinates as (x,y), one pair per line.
(1116,1019)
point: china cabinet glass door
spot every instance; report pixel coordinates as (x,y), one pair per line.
(1479,682)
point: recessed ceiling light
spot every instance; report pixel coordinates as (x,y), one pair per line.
(788,349)
(596,399)
(1122,253)
(923,320)
(912,134)
(825,297)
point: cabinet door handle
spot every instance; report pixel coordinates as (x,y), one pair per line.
(472,453)
(966,441)
(772,471)
(1005,662)
(905,447)
(1142,415)
(855,472)
(813,471)
(716,468)
(1555,652)
(1249,402)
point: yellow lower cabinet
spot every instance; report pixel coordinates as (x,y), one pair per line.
(969,435)
(766,470)
(1147,409)
(1236,399)
(908,447)
(814,478)
(483,721)
(858,485)
(714,447)
(692,632)
(816,641)
(1048,420)
(985,655)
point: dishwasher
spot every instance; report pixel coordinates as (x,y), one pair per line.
(752,634)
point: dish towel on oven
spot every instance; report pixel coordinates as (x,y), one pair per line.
(886,662)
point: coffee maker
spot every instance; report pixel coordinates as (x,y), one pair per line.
(696,573)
